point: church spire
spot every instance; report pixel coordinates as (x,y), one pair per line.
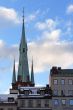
(23,39)
(14,74)
(23,70)
(32,74)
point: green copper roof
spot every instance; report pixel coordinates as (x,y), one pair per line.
(32,74)
(14,75)
(23,70)
(23,42)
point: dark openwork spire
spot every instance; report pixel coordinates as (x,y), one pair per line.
(32,74)
(23,70)
(14,74)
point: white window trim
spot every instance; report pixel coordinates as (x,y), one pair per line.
(56,81)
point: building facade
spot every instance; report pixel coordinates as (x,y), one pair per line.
(61,82)
(57,95)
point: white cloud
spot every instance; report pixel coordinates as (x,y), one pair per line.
(45,54)
(49,24)
(32,17)
(70,9)
(48,51)
(8,15)
(51,54)
(8,52)
(51,36)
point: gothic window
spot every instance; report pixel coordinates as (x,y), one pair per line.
(23,49)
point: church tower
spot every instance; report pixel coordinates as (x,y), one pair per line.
(23,70)
(23,78)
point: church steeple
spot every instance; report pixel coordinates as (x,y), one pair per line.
(32,74)
(23,42)
(23,70)
(14,74)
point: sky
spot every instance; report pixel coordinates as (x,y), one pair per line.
(49,34)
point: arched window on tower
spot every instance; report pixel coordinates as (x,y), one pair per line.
(23,49)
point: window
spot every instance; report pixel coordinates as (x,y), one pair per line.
(55,81)
(42,92)
(38,103)
(23,49)
(56,102)
(70,92)
(63,102)
(70,81)
(71,102)
(46,103)
(62,81)
(55,92)
(30,103)
(26,92)
(22,103)
(10,99)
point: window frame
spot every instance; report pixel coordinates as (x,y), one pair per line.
(62,102)
(55,91)
(69,102)
(62,83)
(56,104)
(69,82)
(22,103)
(46,103)
(38,102)
(30,103)
(56,81)
(70,91)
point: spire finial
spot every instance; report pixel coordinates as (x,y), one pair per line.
(23,14)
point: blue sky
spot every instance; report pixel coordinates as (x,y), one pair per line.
(49,33)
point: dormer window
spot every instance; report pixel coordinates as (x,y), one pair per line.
(10,99)
(42,92)
(26,92)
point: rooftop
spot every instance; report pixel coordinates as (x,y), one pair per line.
(57,71)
